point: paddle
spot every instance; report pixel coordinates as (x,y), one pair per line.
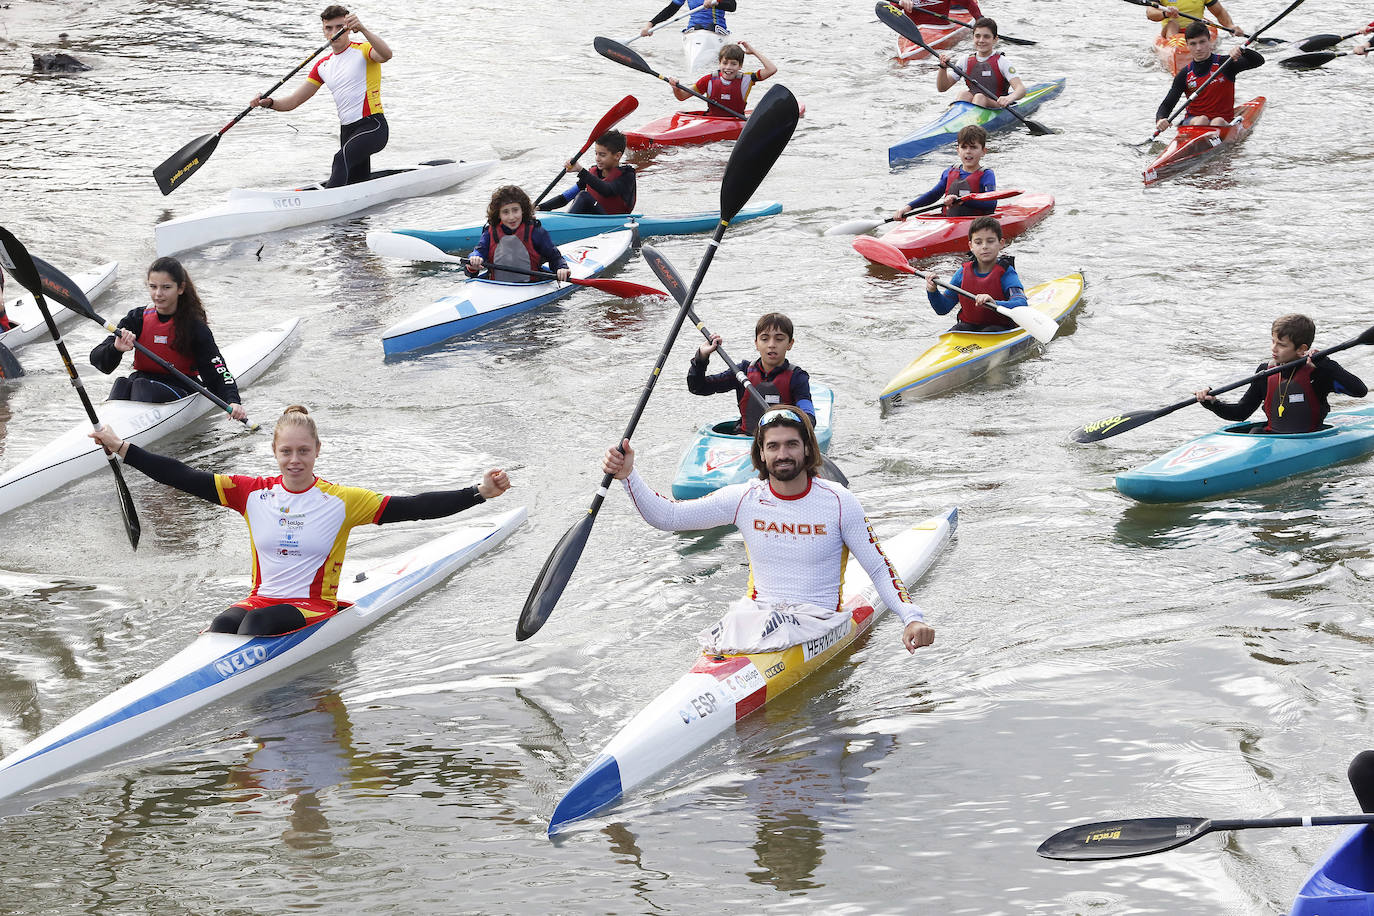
(610,119)
(1145,836)
(186,161)
(1036,323)
(62,289)
(682,15)
(1311,61)
(17,260)
(860,226)
(1119,423)
(665,271)
(760,144)
(968,25)
(614,50)
(1324,41)
(1207,22)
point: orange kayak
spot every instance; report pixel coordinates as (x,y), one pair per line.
(1193,146)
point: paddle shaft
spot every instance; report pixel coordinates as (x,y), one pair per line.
(178,374)
(614,50)
(594,283)
(968,25)
(278,84)
(618,111)
(1182,15)
(680,16)
(1266,373)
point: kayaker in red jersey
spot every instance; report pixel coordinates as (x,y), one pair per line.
(776,379)
(174,327)
(299,523)
(989,275)
(730,85)
(988,66)
(797,529)
(1217,103)
(352,71)
(967,176)
(1173,23)
(920,11)
(513,236)
(1294,400)
(606,188)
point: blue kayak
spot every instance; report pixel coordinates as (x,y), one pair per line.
(1237,458)
(943,130)
(720,456)
(1342,884)
(571,227)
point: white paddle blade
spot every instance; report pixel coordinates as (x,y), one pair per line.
(855,227)
(397,245)
(1039,325)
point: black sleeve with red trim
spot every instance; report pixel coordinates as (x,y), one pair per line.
(435,504)
(173,473)
(105,357)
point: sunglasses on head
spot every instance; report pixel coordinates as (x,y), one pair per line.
(776,414)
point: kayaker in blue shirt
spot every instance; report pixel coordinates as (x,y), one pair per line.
(606,188)
(776,379)
(989,275)
(513,236)
(1294,400)
(706,14)
(967,176)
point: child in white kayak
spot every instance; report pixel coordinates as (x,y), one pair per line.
(967,176)
(512,236)
(771,374)
(988,66)
(730,84)
(989,275)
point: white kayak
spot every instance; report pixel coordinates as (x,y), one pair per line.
(215,665)
(74,454)
(719,690)
(480,303)
(701,51)
(28,320)
(249,211)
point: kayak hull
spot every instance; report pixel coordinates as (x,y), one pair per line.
(1342,884)
(1192,146)
(943,130)
(252,211)
(216,665)
(28,320)
(720,690)
(961,356)
(719,457)
(931,234)
(685,128)
(480,303)
(939,37)
(1231,459)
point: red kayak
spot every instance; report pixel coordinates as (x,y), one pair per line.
(1192,146)
(684,128)
(931,234)
(938,37)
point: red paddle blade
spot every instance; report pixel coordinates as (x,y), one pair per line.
(613,117)
(991,195)
(622,288)
(884,253)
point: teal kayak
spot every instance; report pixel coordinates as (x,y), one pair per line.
(1237,458)
(1343,882)
(719,456)
(572,227)
(943,130)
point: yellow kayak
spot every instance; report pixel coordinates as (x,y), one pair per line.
(961,356)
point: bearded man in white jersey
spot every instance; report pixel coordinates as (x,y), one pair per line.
(797,528)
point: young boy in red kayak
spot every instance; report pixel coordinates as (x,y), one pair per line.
(922,12)
(989,275)
(512,236)
(1217,103)
(776,379)
(988,66)
(730,84)
(606,188)
(1294,400)
(967,176)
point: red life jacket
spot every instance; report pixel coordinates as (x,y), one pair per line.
(960,186)
(157,337)
(1292,404)
(988,72)
(991,284)
(609,204)
(777,390)
(1218,100)
(730,93)
(523,236)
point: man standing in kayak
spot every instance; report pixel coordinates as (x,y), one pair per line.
(1216,104)
(352,71)
(798,530)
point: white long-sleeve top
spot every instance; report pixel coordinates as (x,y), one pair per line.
(797,545)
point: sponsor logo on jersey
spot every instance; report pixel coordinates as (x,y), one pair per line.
(798,528)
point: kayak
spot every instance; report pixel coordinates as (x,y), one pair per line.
(572,227)
(1193,146)
(719,690)
(720,456)
(930,233)
(74,454)
(250,211)
(684,128)
(28,320)
(1172,52)
(1233,458)
(1342,884)
(962,356)
(216,665)
(938,37)
(701,50)
(479,303)
(944,129)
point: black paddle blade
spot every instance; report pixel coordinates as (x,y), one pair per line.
(831,471)
(1309,61)
(1115,425)
(614,50)
(553,578)
(1123,839)
(667,274)
(1036,128)
(9,363)
(184,163)
(60,288)
(761,142)
(1320,42)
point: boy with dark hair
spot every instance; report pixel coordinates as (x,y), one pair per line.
(989,275)
(967,176)
(607,187)
(729,85)
(771,374)
(1216,104)
(988,66)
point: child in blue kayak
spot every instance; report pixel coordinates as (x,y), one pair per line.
(1294,400)
(771,374)
(993,72)
(512,236)
(967,176)
(606,188)
(989,275)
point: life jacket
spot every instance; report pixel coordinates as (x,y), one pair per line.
(157,337)
(516,249)
(961,186)
(1218,100)
(730,93)
(775,391)
(1292,404)
(611,204)
(988,72)
(991,284)
(921,12)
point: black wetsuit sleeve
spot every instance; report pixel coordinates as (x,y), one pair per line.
(623,186)
(668,12)
(543,243)
(1329,376)
(1249,60)
(173,473)
(1248,404)
(212,368)
(727,6)
(698,382)
(1176,91)
(436,504)
(105,357)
